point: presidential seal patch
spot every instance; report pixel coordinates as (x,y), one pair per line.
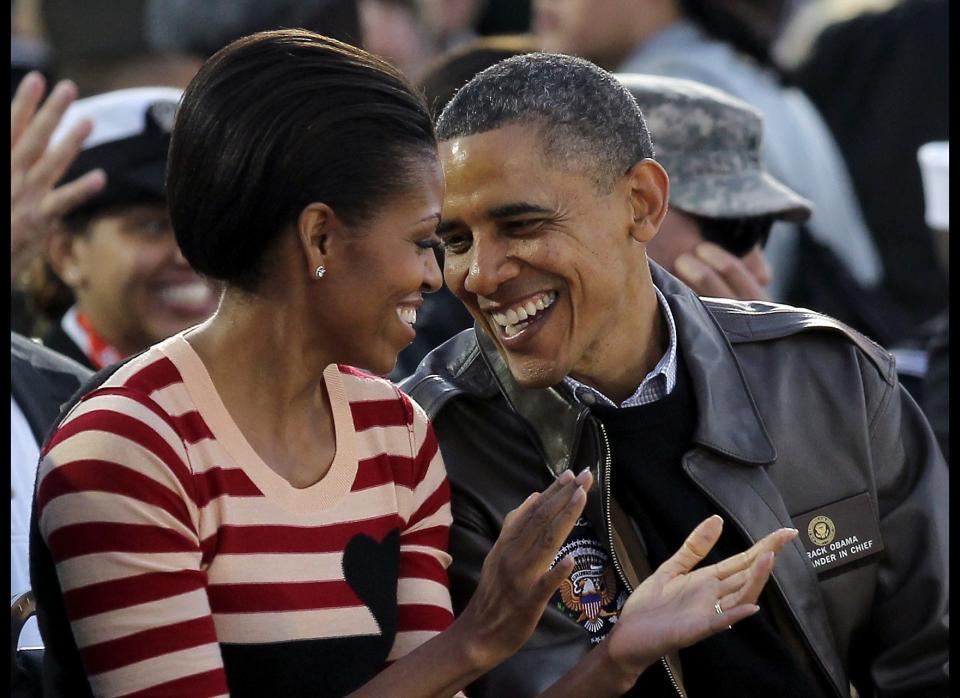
(821,530)
(591,596)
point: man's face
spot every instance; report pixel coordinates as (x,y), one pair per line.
(543,260)
(129,277)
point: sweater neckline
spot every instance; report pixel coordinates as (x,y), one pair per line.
(328,491)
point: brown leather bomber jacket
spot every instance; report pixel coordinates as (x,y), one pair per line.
(797,414)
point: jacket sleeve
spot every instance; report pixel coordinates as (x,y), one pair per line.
(909,633)
(481,495)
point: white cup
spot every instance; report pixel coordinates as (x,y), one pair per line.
(934,159)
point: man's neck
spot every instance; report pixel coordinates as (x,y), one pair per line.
(630,352)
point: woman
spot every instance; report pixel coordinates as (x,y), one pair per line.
(237,509)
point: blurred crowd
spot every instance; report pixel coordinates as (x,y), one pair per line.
(847,94)
(849,90)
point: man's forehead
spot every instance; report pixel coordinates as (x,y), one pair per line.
(502,143)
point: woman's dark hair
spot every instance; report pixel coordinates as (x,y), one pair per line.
(275,121)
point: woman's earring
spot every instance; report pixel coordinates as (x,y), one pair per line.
(321,270)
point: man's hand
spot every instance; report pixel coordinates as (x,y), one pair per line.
(35,205)
(516,581)
(676,606)
(712,271)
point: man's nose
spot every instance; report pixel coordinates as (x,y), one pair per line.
(490,266)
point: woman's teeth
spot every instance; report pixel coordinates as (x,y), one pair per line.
(408,315)
(515,319)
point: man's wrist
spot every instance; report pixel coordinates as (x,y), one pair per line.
(621,671)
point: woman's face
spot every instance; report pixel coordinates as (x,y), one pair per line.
(377,273)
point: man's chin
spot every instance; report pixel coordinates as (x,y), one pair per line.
(532,373)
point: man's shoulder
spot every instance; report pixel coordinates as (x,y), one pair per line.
(453,368)
(744,322)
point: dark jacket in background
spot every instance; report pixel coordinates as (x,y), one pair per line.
(40,381)
(881,82)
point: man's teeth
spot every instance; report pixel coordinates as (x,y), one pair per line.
(514,320)
(408,315)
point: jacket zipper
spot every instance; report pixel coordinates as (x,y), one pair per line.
(613,552)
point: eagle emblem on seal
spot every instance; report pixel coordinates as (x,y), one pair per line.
(587,591)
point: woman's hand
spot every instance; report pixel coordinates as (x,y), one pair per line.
(516,581)
(676,606)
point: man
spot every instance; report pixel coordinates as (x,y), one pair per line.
(723,202)
(585,354)
(117,251)
(713,43)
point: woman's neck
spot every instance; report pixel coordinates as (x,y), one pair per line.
(258,351)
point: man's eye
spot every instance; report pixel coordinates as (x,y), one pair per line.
(455,244)
(523,226)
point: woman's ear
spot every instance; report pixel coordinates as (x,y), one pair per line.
(649,196)
(316,226)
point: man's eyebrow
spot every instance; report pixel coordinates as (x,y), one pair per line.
(516,209)
(446,226)
(505,211)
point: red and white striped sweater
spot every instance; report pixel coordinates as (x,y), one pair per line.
(188,567)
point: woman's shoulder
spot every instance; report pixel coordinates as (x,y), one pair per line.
(364,391)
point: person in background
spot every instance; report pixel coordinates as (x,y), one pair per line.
(116,251)
(587,355)
(880,79)
(41,380)
(37,204)
(393,30)
(203,28)
(102,46)
(831,263)
(240,510)
(723,202)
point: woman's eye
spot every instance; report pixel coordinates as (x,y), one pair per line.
(429,243)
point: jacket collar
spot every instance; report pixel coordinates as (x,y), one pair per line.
(728,420)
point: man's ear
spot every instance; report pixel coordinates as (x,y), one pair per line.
(317,226)
(62,255)
(649,196)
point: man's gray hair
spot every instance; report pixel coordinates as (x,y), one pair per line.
(584,115)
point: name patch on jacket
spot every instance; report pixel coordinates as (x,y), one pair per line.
(840,533)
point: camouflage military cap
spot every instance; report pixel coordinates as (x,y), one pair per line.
(709,143)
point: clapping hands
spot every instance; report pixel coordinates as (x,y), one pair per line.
(678,605)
